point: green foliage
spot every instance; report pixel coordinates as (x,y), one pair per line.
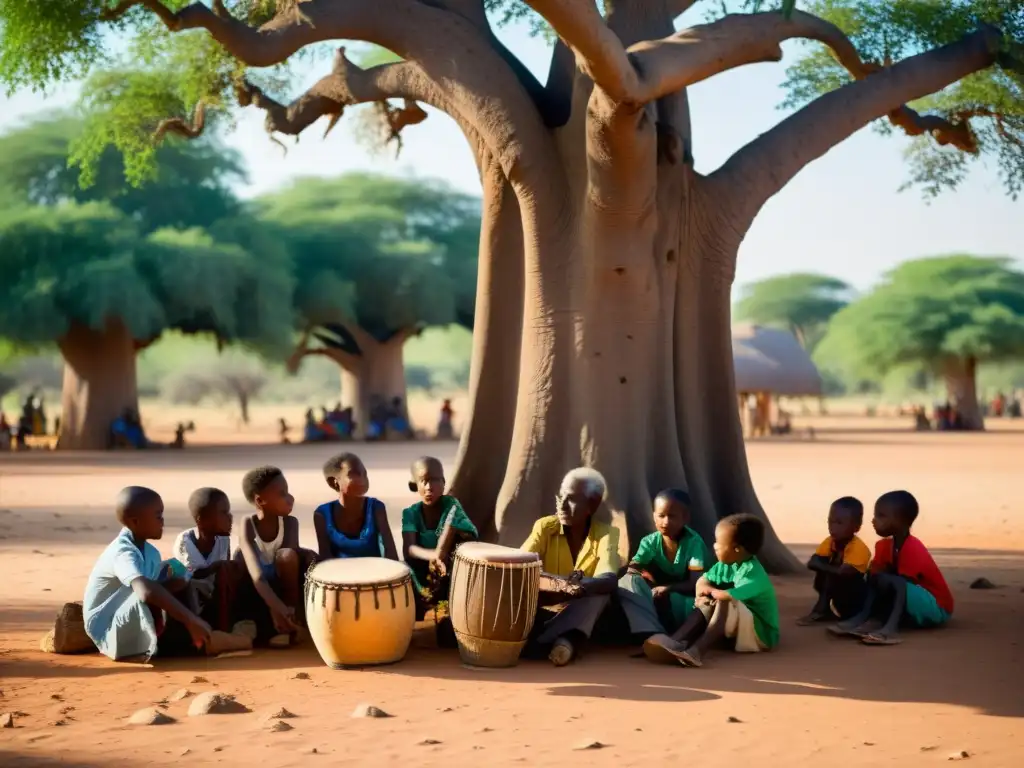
(801,303)
(993,99)
(190,185)
(407,248)
(84,263)
(930,311)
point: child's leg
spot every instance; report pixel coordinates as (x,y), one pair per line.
(847,595)
(820,611)
(715,632)
(894,588)
(288,567)
(861,622)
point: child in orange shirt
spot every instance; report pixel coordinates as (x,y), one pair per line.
(840,564)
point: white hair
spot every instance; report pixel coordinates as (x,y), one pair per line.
(593,482)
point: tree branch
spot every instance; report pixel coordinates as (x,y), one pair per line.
(288,32)
(345,86)
(765,165)
(182,127)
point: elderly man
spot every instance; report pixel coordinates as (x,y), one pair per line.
(580,559)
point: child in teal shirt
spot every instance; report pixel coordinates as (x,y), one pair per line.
(735,601)
(431,529)
(657,590)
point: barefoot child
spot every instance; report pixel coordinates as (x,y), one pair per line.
(205,552)
(125,604)
(353,525)
(839,564)
(657,591)
(431,529)
(269,547)
(905,587)
(735,601)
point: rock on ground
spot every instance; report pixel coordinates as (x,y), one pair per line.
(368,710)
(150,716)
(214,703)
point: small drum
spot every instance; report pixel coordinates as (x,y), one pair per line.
(360,610)
(493,602)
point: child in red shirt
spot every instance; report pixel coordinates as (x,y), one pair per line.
(906,587)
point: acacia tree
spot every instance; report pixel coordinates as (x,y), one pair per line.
(83,276)
(376,260)
(602,329)
(802,303)
(947,314)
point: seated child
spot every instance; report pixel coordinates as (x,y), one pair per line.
(905,586)
(735,601)
(353,525)
(205,553)
(269,547)
(657,591)
(839,564)
(431,529)
(128,613)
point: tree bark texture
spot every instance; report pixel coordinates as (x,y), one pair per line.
(99,384)
(603,304)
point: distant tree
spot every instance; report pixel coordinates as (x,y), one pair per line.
(948,313)
(7,384)
(230,376)
(802,303)
(189,184)
(377,259)
(84,276)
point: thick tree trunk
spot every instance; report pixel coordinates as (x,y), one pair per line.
(243,405)
(961,387)
(99,384)
(487,428)
(378,372)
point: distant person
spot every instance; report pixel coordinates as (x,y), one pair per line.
(126,431)
(657,591)
(282,430)
(5,433)
(312,433)
(179,434)
(906,587)
(840,564)
(445,431)
(353,524)
(396,421)
(735,601)
(128,612)
(269,547)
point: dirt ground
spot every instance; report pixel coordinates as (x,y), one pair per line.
(815,700)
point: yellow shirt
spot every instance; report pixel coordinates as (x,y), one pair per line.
(598,555)
(856,553)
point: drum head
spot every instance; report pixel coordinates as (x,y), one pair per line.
(481,552)
(355,571)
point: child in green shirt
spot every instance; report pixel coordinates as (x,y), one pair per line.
(657,590)
(735,601)
(431,529)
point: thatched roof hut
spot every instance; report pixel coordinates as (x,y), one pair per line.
(772,360)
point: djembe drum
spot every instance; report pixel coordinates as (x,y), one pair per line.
(493,602)
(360,610)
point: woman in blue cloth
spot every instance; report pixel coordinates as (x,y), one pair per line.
(353,525)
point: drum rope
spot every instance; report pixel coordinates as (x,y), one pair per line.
(376,600)
(357,604)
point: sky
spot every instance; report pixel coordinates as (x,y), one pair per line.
(842,216)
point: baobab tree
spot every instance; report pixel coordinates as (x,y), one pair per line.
(602,329)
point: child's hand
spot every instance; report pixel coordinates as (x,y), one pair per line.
(704,590)
(284,619)
(438,569)
(576,577)
(200,631)
(720,595)
(660,593)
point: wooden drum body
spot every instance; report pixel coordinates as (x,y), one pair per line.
(493,602)
(360,610)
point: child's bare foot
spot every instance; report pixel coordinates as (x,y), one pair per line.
(690,658)
(562,652)
(854,629)
(226,642)
(814,617)
(881,637)
(662,649)
(245,628)
(142,659)
(280,641)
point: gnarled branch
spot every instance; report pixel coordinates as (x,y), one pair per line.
(765,165)
(347,85)
(182,127)
(270,44)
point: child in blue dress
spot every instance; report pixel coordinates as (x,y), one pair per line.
(354,524)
